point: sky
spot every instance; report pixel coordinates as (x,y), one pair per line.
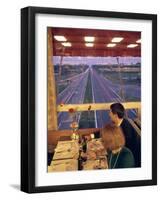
(96,60)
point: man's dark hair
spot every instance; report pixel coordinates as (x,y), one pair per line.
(117,108)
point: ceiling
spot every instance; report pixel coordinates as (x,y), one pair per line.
(102,38)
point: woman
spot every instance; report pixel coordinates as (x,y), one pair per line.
(119,156)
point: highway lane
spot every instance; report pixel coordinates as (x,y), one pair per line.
(65,95)
(101,94)
(74,93)
(129,91)
(105,91)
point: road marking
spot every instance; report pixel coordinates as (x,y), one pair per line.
(95,115)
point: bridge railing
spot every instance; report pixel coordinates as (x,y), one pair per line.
(98,106)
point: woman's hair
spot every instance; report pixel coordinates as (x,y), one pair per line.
(112,137)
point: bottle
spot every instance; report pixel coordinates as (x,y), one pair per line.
(80,139)
(84,145)
(80,166)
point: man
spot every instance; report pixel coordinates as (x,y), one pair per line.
(117,115)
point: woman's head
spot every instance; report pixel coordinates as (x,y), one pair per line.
(112,137)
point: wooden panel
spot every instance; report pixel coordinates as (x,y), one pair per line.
(54,136)
(52,113)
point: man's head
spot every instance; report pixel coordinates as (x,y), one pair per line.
(117,112)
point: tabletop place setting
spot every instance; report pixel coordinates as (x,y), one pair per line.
(85,153)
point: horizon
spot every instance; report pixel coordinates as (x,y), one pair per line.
(96,60)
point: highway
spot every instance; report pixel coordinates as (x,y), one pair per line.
(103,90)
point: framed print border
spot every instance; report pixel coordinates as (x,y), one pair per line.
(28,104)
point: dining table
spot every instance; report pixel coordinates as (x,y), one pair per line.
(69,156)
